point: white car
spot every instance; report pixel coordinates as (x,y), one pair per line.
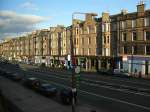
(120,72)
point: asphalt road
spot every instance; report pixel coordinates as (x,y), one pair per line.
(112,94)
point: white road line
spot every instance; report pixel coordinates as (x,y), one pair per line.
(122,90)
(101,96)
(123,81)
(109,83)
(107,87)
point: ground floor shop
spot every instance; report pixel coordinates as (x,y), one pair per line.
(137,65)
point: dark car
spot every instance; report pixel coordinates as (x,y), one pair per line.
(66,96)
(32,83)
(47,90)
(2,72)
(16,77)
(8,74)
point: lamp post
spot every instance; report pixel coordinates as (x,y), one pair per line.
(74,90)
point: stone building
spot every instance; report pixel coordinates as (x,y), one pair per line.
(120,41)
(85,41)
(134,40)
(58,45)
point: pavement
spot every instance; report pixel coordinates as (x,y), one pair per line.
(27,100)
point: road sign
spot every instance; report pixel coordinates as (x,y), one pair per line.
(77,69)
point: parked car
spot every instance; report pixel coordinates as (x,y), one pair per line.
(8,74)
(47,90)
(2,72)
(120,73)
(32,83)
(16,77)
(66,96)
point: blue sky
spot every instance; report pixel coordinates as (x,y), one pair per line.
(46,13)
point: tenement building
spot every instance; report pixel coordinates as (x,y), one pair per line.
(134,40)
(120,41)
(86,41)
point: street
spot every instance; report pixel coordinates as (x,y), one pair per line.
(110,93)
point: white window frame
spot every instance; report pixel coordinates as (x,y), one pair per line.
(133,23)
(95,29)
(88,30)
(103,27)
(106,27)
(145,50)
(146,21)
(132,36)
(81,32)
(89,50)
(122,24)
(145,35)
(107,51)
(77,51)
(108,38)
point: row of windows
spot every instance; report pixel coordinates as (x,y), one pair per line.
(106,40)
(88,30)
(134,23)
(135,50)
(76,41)
(134,36)
(89,51)
(106,27)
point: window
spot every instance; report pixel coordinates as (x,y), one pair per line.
(81,31)
(125,50)
(88,30)
(77,51)
(147,49)
(89,51)
(108,39)
(134,37)
(147,22)
(77,31)
(107,52)
(89,40)
(103,27)
(147,35)
(123,24)
(134,49)
(114,26)
(106,27)
(82,51)
(133,23)
(75,41)
(104,40)
(82,41)
(124,37)
(95,29)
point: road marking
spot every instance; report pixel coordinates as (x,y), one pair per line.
(109,83)
(107,87)
(114,79)
(101,96)
(122,90)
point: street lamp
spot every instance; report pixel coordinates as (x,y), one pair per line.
(74,90)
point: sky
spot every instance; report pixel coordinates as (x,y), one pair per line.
(21,17)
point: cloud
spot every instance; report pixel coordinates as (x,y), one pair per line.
(15,23)
(29,5)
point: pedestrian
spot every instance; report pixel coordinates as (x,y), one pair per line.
(135,72)
(140,74)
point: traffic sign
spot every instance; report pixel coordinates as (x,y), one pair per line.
(77,69)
